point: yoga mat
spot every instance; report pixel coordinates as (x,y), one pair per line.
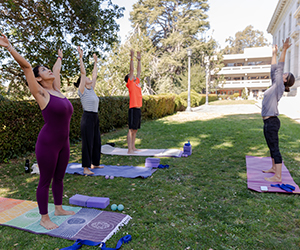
(255,176)
(86,224)
(109,150)
(116,171)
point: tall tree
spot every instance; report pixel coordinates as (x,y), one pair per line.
(245,39)
(38,28)
(116,65)
(172,25)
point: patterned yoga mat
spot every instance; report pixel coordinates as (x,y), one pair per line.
(86,224)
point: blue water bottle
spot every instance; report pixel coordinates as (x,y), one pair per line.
(187,148)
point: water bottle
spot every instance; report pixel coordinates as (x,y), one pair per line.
(27,168)
(187,148)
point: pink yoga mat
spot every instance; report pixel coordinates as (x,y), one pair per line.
(255,176)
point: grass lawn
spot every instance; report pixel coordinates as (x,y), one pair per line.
(200,202)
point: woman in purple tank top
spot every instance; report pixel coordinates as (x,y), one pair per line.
(52,146)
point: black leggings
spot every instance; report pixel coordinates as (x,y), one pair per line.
(271,128)
(91,139)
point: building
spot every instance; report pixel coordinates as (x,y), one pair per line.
(285,23)
(250,71)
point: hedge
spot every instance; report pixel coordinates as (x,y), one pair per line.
(21,121)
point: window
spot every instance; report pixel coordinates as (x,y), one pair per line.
(290,23)
(279,38)
(275,40)
(296,61)
(289,61)
(283,32)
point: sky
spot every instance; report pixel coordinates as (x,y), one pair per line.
(226,17)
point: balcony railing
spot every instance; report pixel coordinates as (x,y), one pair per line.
(261,83)
(249,69)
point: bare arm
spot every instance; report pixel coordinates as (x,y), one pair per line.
(39,93)
(274,54)
(131,75)
(82,71)
(95,71)
(56,69)
(285,47)
(139,67)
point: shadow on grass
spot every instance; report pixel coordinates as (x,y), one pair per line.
(200,202)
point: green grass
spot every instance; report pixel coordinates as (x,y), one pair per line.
(200,202)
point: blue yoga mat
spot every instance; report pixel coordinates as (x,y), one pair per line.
(111,170)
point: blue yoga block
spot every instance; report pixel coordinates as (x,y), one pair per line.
(187,150)
(97,202)
(79,200)
(152,162)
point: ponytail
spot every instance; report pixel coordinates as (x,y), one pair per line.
(290,80)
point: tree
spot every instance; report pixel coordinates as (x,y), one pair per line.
(199,64)
(172,26)
(245,39)
(116,66)
(39,28)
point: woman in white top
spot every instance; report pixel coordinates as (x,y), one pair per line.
(90,132)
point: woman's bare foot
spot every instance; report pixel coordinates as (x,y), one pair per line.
(47,223)
(135,149)
(93,167)
(87,171)
(271,170)
(59,211)
(131,152)
(273,179)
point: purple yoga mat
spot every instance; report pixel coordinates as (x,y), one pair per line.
(255,176)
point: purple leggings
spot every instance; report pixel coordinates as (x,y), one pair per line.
(52,165)
(53,151)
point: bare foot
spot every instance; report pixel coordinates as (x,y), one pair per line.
(47,223)
(273,179)
(93,167)
(271,170)
(59,211)
(135,149)
(87,171)
(131,152)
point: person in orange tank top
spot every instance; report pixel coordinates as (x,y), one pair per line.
(135,102)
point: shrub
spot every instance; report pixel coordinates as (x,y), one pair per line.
(21,121)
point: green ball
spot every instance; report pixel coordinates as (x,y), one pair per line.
(120,207)
(114,207)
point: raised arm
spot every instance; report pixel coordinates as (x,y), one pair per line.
(131,75)
(139,67)
(82,71)
(56,69)
(35,88)
(286,45)
(274,54)
(95,71)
